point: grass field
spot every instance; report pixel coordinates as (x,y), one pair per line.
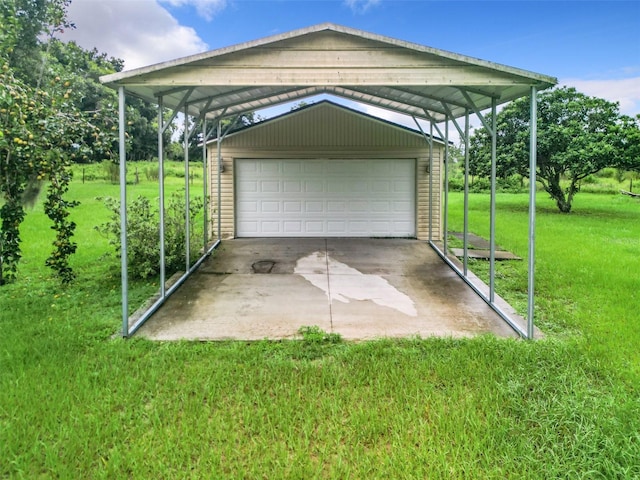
(77,402)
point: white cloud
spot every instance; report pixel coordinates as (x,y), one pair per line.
(625,91)
(361,6)
(407,121)
(140,32)
(390,116)
(207,9)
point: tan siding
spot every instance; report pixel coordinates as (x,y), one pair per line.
(325,127)
(329,132)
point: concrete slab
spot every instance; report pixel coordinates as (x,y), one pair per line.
(359,288)
(475,241)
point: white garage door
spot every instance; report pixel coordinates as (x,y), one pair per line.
(317,198)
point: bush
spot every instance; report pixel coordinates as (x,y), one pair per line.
(512,184)
(606,173)
(111,171)
(143,233)
(153,173)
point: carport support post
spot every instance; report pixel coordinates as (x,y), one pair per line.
(161,193)
(492,221)
(187,200)
(431,182)
(219,151)
(205,183)
(445,221)
(465,234)
(533,153)
(124,264)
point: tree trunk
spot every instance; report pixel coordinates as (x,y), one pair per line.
(563,205)
(553,188)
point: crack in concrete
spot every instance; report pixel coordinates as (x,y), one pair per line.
(326,256)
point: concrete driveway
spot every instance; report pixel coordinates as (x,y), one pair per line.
(252,289)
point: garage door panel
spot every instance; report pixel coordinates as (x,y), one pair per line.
(380,207)
(402,207)
(247,167)
(336,207)
(291,167)
(337,186)
(293,206)
(381,186)
(270,227)
(358,206)
(400,186)
(246,186)
(402,226)
(313,167)
(337,227)
(314,227)
(359,227)
(270,207)
(247,207)
(292,228)
(269,186)
(359,187)
(292,186)
(314,207)
(314,186)
(269,168)
(325,197)
(249,228)
(382,169)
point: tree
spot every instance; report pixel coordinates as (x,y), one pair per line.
(41,131)
(28,22)
(229,125)
(578,136)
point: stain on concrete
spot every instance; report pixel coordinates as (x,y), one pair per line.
(344,283)
(263,266)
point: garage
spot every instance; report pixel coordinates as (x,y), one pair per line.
(326,170)
(328,198)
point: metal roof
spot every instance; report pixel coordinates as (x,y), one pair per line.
(400,76)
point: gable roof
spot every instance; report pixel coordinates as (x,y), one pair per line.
(401,76)
(325,104)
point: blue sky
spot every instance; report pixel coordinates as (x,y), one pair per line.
(593,45)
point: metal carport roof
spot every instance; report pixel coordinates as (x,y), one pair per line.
(423,82)
(393,74)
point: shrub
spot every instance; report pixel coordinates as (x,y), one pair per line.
(512,184)
(143,233)
(606,173)
(153,173)
(111,171)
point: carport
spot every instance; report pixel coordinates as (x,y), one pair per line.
(434,86)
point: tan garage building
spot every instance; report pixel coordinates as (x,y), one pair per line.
(327,170)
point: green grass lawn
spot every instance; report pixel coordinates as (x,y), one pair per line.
(78,402)
(587,267)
